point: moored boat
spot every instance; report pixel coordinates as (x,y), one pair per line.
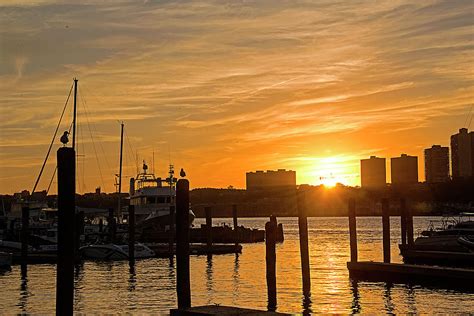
(153,199)
(114,252)
(5,260)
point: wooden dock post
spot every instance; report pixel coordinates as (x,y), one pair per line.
(304,251)
(353,230)
(409,221)
(234,217)
(111,225)
(66,210)
(386,230)
(403,221)
(131,234)
(183,286)
(270,241)
(171,232)
(208,211)
(25,232)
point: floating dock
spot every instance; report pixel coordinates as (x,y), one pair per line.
(215,310)
(409,273)
(458,259)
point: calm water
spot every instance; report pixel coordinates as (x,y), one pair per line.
(240,280)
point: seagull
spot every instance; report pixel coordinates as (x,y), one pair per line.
(64,139)
(182,174)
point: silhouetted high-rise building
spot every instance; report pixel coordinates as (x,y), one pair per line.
(437,164)
(279,178)
(462,154)
(373,172)
(404,169)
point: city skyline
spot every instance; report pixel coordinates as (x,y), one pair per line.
(234,87)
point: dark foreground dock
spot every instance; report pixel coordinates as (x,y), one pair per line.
(211,310)
(409,273)
(451,258)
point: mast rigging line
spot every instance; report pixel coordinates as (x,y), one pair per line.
(52,141)
(92,139)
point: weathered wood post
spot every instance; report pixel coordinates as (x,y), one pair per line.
(111,225)
(409,220)
(25,232)
(234,217)
(353,230)
(66,210)
(304,251)
(270,241)
(171,232)
(131,234)
(183,286)
(386,230)
(208,212)
(101,225)
(403,221)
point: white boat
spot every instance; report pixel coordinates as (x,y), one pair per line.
(153,199)
(114,252)
(5,260)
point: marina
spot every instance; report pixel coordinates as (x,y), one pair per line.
(236,158)
(233,280)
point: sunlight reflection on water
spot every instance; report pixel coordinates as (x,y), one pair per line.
(240,280)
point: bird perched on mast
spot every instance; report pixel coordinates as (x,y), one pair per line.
(64,139)
(182,174)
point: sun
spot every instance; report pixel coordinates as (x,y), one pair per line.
(330,181)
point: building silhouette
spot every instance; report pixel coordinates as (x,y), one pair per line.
(373,172)
(280,178)
(404,169)
(437,164)
(462,154)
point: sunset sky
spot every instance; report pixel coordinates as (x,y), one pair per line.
(225,87)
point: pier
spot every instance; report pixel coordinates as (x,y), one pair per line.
(216,310)
(386,271)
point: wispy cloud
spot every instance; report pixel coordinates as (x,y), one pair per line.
(236,85)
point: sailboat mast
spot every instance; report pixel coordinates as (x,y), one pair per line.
(119,213)
(74,116)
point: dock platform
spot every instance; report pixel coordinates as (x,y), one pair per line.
(459,278)
(457,259)
(211,310)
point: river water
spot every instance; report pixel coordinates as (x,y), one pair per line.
(110,287)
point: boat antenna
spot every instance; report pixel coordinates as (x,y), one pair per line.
(153,162)
(74,116)
(120,170)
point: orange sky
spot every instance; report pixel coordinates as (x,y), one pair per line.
(224,87)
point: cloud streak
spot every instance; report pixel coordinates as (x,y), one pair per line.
(236,86)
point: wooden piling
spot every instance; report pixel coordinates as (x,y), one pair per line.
(386,230)
(270,241)
(111,225)
(66,210)
(234,217)
(403,221)
(353,230)
(131,234)
(304,251)
(183,286)
(208,212)
(409,221)
(25,232)
(171,232)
